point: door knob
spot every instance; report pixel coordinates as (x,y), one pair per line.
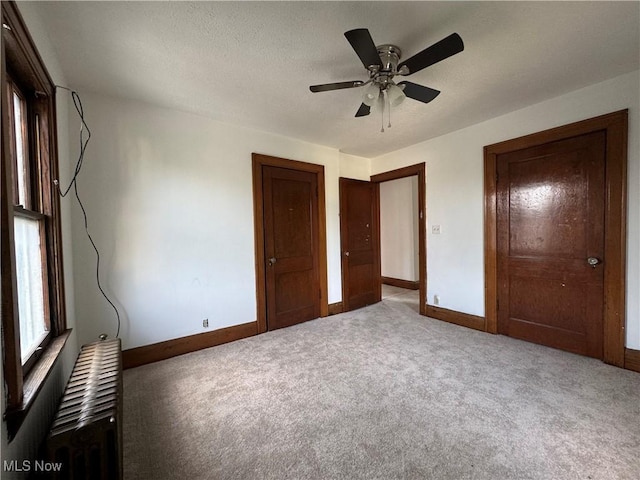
(272,260)
(593,261)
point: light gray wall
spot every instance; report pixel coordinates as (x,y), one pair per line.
(170,205)
(169,198)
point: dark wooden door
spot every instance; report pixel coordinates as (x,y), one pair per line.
(360,243)
(291,246)
(550,201)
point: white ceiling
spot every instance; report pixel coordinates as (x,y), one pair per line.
(250,63)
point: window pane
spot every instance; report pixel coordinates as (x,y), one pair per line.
(21,164)
(30,284)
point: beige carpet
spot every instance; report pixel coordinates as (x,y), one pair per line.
(381,393)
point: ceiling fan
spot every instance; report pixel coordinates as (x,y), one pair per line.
(382,65)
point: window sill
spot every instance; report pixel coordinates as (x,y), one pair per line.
(34,382)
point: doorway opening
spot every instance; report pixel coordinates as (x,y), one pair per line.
(402,269)
(360,237)
(399,241)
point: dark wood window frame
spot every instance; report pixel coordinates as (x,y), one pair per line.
(24,70)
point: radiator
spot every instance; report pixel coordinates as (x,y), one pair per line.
(86,435)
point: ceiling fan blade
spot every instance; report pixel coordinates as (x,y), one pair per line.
(363,111)
(438,51)
(325,87)
(419,92)
(361,41)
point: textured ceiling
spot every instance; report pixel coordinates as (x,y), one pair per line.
(250,63)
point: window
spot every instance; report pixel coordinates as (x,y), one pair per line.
(33,320)
(30,235)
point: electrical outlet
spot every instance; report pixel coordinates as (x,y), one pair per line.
(436,299)
(205,323)
(435,229)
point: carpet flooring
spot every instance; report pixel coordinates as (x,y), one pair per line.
(381,393)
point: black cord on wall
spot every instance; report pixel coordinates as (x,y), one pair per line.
(74,183)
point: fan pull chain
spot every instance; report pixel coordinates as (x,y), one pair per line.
(389,107)
(381,111)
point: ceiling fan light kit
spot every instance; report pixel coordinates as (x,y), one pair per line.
(371,95)
(382,64)
(395,94)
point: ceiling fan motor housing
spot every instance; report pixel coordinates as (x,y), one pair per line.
(389,56)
